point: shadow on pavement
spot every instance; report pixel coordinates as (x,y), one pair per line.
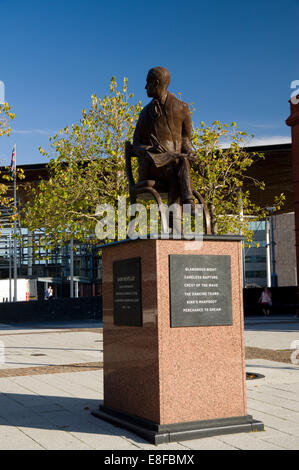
(53,413)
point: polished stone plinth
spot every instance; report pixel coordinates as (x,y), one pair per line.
(172,383)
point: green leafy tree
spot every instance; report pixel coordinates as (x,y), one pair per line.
(6,116)
(86,168)
(221,171)
(6,201)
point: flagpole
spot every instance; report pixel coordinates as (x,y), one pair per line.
(15,254)
(9,269)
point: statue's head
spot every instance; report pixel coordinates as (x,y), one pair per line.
(157,81)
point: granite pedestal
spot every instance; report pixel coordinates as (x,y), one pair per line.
(174,359)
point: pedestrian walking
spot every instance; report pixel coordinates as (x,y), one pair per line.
(51,293)
(266,301)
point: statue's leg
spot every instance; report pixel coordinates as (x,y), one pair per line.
(174,201)
(168,175)
(185,181)
(144,168)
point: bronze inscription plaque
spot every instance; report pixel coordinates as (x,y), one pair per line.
(200,290)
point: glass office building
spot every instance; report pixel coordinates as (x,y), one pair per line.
(54,268)
(256,256)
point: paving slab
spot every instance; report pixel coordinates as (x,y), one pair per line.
(52,439)
(49,348)
(248,442)
(53,411)
(71,415)
(276,373)
(271,333)
(13,438)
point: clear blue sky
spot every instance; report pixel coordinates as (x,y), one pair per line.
(235,60)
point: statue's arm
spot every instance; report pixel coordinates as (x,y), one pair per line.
(142,142)
(140,136)
(138,147)
(187,131)
(137,137)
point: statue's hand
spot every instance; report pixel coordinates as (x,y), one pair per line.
(139,150)
(157,148)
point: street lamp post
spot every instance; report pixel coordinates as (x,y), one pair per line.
(268,256)
(9,267)
(274,278)
(71,268)
(15,246)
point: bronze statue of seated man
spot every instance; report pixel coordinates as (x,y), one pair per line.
(162,139)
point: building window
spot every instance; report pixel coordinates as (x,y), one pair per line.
(255,259)
(257,225)
(256,274)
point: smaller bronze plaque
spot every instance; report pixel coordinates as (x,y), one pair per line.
(127,292)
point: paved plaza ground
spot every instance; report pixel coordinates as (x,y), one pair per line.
(52,378)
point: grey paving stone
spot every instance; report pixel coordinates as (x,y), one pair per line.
(278,424)
(285,441)
(270,432)
(209,443)
(12,438)
(24,418)
(274,390)
(273,410)
(248,442)
(53,411)
(140,443)
(54,439)
(105,441)
(288,404)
